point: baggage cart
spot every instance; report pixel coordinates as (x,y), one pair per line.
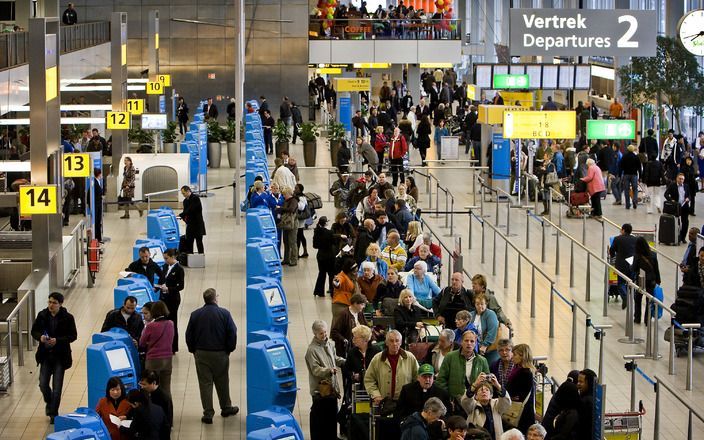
(624,426)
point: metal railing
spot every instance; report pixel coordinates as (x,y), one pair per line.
(14,47)
(692,412)
(149,196)
(385,29)
(14,323)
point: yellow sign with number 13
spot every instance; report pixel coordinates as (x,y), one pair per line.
(77,165)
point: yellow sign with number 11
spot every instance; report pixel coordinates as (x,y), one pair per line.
(135,106)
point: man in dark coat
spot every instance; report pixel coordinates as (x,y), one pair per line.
(297,118)
(210,110)
(678,192)
(690,257)
(365,237)
(414,395)
(69,17)
(649,145)
(193,216)
(451,300)
(55,330)
(126,318)
(145,265)
(623,247)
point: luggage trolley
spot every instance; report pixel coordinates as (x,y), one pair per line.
(624,426)
(541,382)
(361,418)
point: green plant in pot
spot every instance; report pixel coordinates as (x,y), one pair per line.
(229,137)
(215,132)
(336,133)
(138,136)
(283,137)
(169,135)
(309,135)
(229,131)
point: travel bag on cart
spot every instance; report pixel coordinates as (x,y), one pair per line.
(579,199)
(671,208)
(668,230)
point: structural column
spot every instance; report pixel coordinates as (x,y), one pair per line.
(118,62)
(153,56)
(414,82)
(239,96)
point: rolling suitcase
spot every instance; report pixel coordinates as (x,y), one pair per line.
(668,230)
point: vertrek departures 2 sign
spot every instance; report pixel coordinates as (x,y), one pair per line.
(572,32)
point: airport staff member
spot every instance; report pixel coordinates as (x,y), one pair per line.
(193,216)
(145,266)
(171,287)
(211,336)
(55,329)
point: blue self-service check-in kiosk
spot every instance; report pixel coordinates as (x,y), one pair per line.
(162,225)
(261,223)
(106,360)
(135,285)
(83,418)
(75,434)
(120,334)
(274,417)
(190,147)
(255,151)
(275,380)
(263,259)
(267,308)
(156,249)
(277,433)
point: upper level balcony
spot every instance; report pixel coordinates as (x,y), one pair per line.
(357,40)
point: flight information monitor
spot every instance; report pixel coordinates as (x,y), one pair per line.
(535,75)
(153,121)
(279,358)
(550,76)
(118,359)
(583,77)
(483,76)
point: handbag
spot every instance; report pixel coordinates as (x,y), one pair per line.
(325,389)
(421,348)
(551,177)
(513,415)
(288,221)
(387,407)
(122,200)
(502,333)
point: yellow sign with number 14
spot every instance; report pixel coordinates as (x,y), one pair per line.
(36,199)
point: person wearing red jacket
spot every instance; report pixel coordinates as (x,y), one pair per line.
(380,144)
(397,150)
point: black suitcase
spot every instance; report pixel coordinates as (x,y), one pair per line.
(671,208)
(690,292)
(668,230)
(359,427)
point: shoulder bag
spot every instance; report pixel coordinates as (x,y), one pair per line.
(513,415)
(289,221)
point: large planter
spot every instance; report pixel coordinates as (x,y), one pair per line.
(281,146)
(133,147)
(334,148)
(232,152)
(214,154)
(309,153)
(169,147)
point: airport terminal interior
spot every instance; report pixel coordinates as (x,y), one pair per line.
(329,174)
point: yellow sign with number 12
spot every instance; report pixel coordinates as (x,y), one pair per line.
(118,120)
(36,199)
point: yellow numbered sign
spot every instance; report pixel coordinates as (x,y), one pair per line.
(118,120)
(77,165)
(35,199)
(135,106)
(155,88)
(164,79)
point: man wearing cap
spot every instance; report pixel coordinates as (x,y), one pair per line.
(414,395)
(340,190)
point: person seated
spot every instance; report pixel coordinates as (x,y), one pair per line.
(373,252)
(393,253)
(407,318)
(424,254)
(488,326)
(483,410)
(440,349)
(414,236)
(126,318)
(453,376)
(422,284)
(463,322)
(435,248)
(387,293)
(342,325)
(693,275)
(451,300)
(148,419)
(503,367)
(414,395)
(146,266)
(113,404)
(157,395)
(479,286)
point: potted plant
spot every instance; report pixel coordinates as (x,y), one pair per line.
(169,137)
(229,137)
(138,137)
(309,135)
(282,136)
(336,133)
(215,136)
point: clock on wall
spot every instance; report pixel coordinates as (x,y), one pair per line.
(691,31)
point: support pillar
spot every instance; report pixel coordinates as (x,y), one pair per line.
(239,95)
(414,82)
(153,56)
(118,63)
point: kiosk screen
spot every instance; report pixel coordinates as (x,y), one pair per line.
(118,359)
(269,254)
(288,437)
(166,222)
(273,297)
(142,296)
(156,253)
(267,222)
(279,358)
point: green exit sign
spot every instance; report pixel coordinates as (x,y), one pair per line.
(611,129)
(502,81)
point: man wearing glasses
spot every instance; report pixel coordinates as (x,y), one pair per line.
(55,329)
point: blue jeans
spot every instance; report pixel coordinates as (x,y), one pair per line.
(630,181)
(51,370)
(616,188)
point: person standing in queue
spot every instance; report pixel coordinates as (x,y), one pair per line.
(69,17)
(193,216)
(170,289)
(146,266)
(55,330)
(97,203)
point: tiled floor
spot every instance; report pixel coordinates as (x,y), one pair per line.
(21,411)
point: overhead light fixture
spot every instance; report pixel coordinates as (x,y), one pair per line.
(15,166)
(65,107)
(67,120)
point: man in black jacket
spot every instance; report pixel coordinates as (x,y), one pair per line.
(211,336)
(126,318)
(193,216)
(678,192)
(297,118)
(451,300)
(623,247)
(649,145)
(690,254)
(631,169)
(285,111)
(55,330)
(414,395)
(69,17)
(145,265)
(365,236)
(150,384)
(210,110)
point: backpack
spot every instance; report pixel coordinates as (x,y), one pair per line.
(314,200)
(305,213)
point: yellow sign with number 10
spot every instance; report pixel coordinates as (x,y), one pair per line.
(155,88)
(118,120)
(36,199)
(77,165)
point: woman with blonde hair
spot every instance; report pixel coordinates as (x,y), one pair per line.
(414,236)
(520,385)
(407,319)
(409,199)
(373,253)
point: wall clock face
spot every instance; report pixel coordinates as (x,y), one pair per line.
(691,31)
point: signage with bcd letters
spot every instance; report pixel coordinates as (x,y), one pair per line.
(77,165)
(39,199)
(353,84)
(540,125)
(118,120)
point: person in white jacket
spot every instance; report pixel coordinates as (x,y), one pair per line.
(478,404)
(282,175)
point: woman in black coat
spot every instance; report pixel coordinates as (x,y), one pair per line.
(690,179)
(407,318)
(170,289)
(646,260)
(325,244)
(520,385)
(565,426)
(423,137)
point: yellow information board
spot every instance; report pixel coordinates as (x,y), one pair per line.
(51,85)
(118,120)
(77,165)
(155,88)
(135,106)
(164,79)
(540,125)
(39,199)
(353,84)
(494,114)
(329,71)
(123,57)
